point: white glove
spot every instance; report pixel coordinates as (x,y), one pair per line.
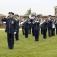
(14,32)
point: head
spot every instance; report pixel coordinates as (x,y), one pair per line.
(32,16)
(11,14)
(49,17)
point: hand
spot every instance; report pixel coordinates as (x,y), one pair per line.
(14,32)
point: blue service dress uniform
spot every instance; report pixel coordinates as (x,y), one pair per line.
(17,30)
(10,29)
(53,28)
(49,25)
(32,26)
(26,28)
(29,23)
(36,30)
(44,30)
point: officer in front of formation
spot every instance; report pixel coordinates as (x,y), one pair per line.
(10,29)
(16,17)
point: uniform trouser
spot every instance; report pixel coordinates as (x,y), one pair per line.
(33,31)
(26,33)
(41,31)
(23,30)
(44,34)
(17,35)
(49,32)
(10,39)
(30,30)
(36,34)
(53,31)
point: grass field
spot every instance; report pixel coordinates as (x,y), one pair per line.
(28,47)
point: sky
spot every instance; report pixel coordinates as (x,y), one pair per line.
(44,7)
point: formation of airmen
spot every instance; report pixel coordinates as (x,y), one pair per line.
(32,25)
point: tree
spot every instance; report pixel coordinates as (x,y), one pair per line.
(28,12)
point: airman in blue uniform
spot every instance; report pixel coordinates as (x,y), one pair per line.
(44,29)
(26,28)
(16,17)
(10,29)
(49,25)
(36,29)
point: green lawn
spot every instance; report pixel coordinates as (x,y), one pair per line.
(28,47)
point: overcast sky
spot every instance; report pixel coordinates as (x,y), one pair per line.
(45,7)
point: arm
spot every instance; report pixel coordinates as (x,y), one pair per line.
(4,20)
